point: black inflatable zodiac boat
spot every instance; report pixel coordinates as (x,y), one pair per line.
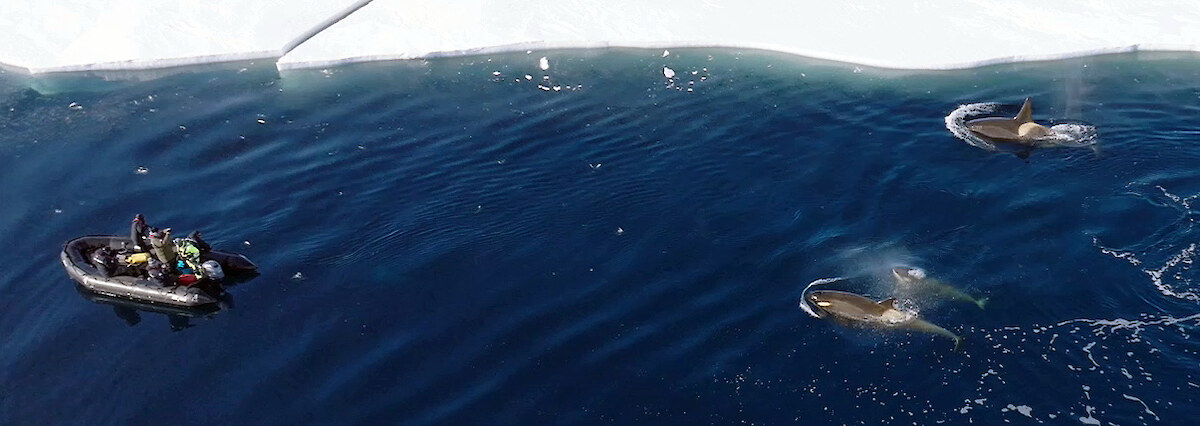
(76,258)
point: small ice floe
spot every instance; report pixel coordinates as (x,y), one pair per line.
(142,170)
(543,63)
(620,230)
(182,127)
(595,166)
(57,211)
(668,72)
(298,276)
(75,106)
(528,77)
(666,52)
(262,121)
(246,243)
(496,73)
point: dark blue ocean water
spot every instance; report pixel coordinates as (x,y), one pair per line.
(446,242)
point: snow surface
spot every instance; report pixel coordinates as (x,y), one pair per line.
(83,35)
(930,34)
(74,35)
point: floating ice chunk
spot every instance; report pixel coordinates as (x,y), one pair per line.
(262,121)
(666,52)
(620,230)
(668,72)
(1147,407)
(496,73)
(75,106)
(543,63)
(142,170)
(1089,420)
(1025,410)
(298,276)
(528,77)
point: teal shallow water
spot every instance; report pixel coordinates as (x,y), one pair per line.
(448,242)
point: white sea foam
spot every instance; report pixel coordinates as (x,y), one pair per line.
(804,302)
(956,123)
(1107,326)
(1071,134)
(1172,278)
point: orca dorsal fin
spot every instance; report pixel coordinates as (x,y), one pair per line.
(1026,114)
(888,303)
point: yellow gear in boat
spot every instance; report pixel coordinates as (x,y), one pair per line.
(137,258)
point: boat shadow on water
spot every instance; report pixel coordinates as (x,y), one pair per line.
(178,317)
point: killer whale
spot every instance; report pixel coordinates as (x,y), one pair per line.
(855,310)
(1020,129)
(913,280)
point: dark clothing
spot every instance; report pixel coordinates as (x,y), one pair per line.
(105,261)
(157,272)
(138,230)
(200,243)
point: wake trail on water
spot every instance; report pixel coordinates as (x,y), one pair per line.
(956,123)
(1174,275)
(1107,361)
(804,302)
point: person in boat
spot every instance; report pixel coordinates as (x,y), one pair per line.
(189,257)
(149,239)
(190,266)
(199,242)
(162,247)
(170,258)
(138,232)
